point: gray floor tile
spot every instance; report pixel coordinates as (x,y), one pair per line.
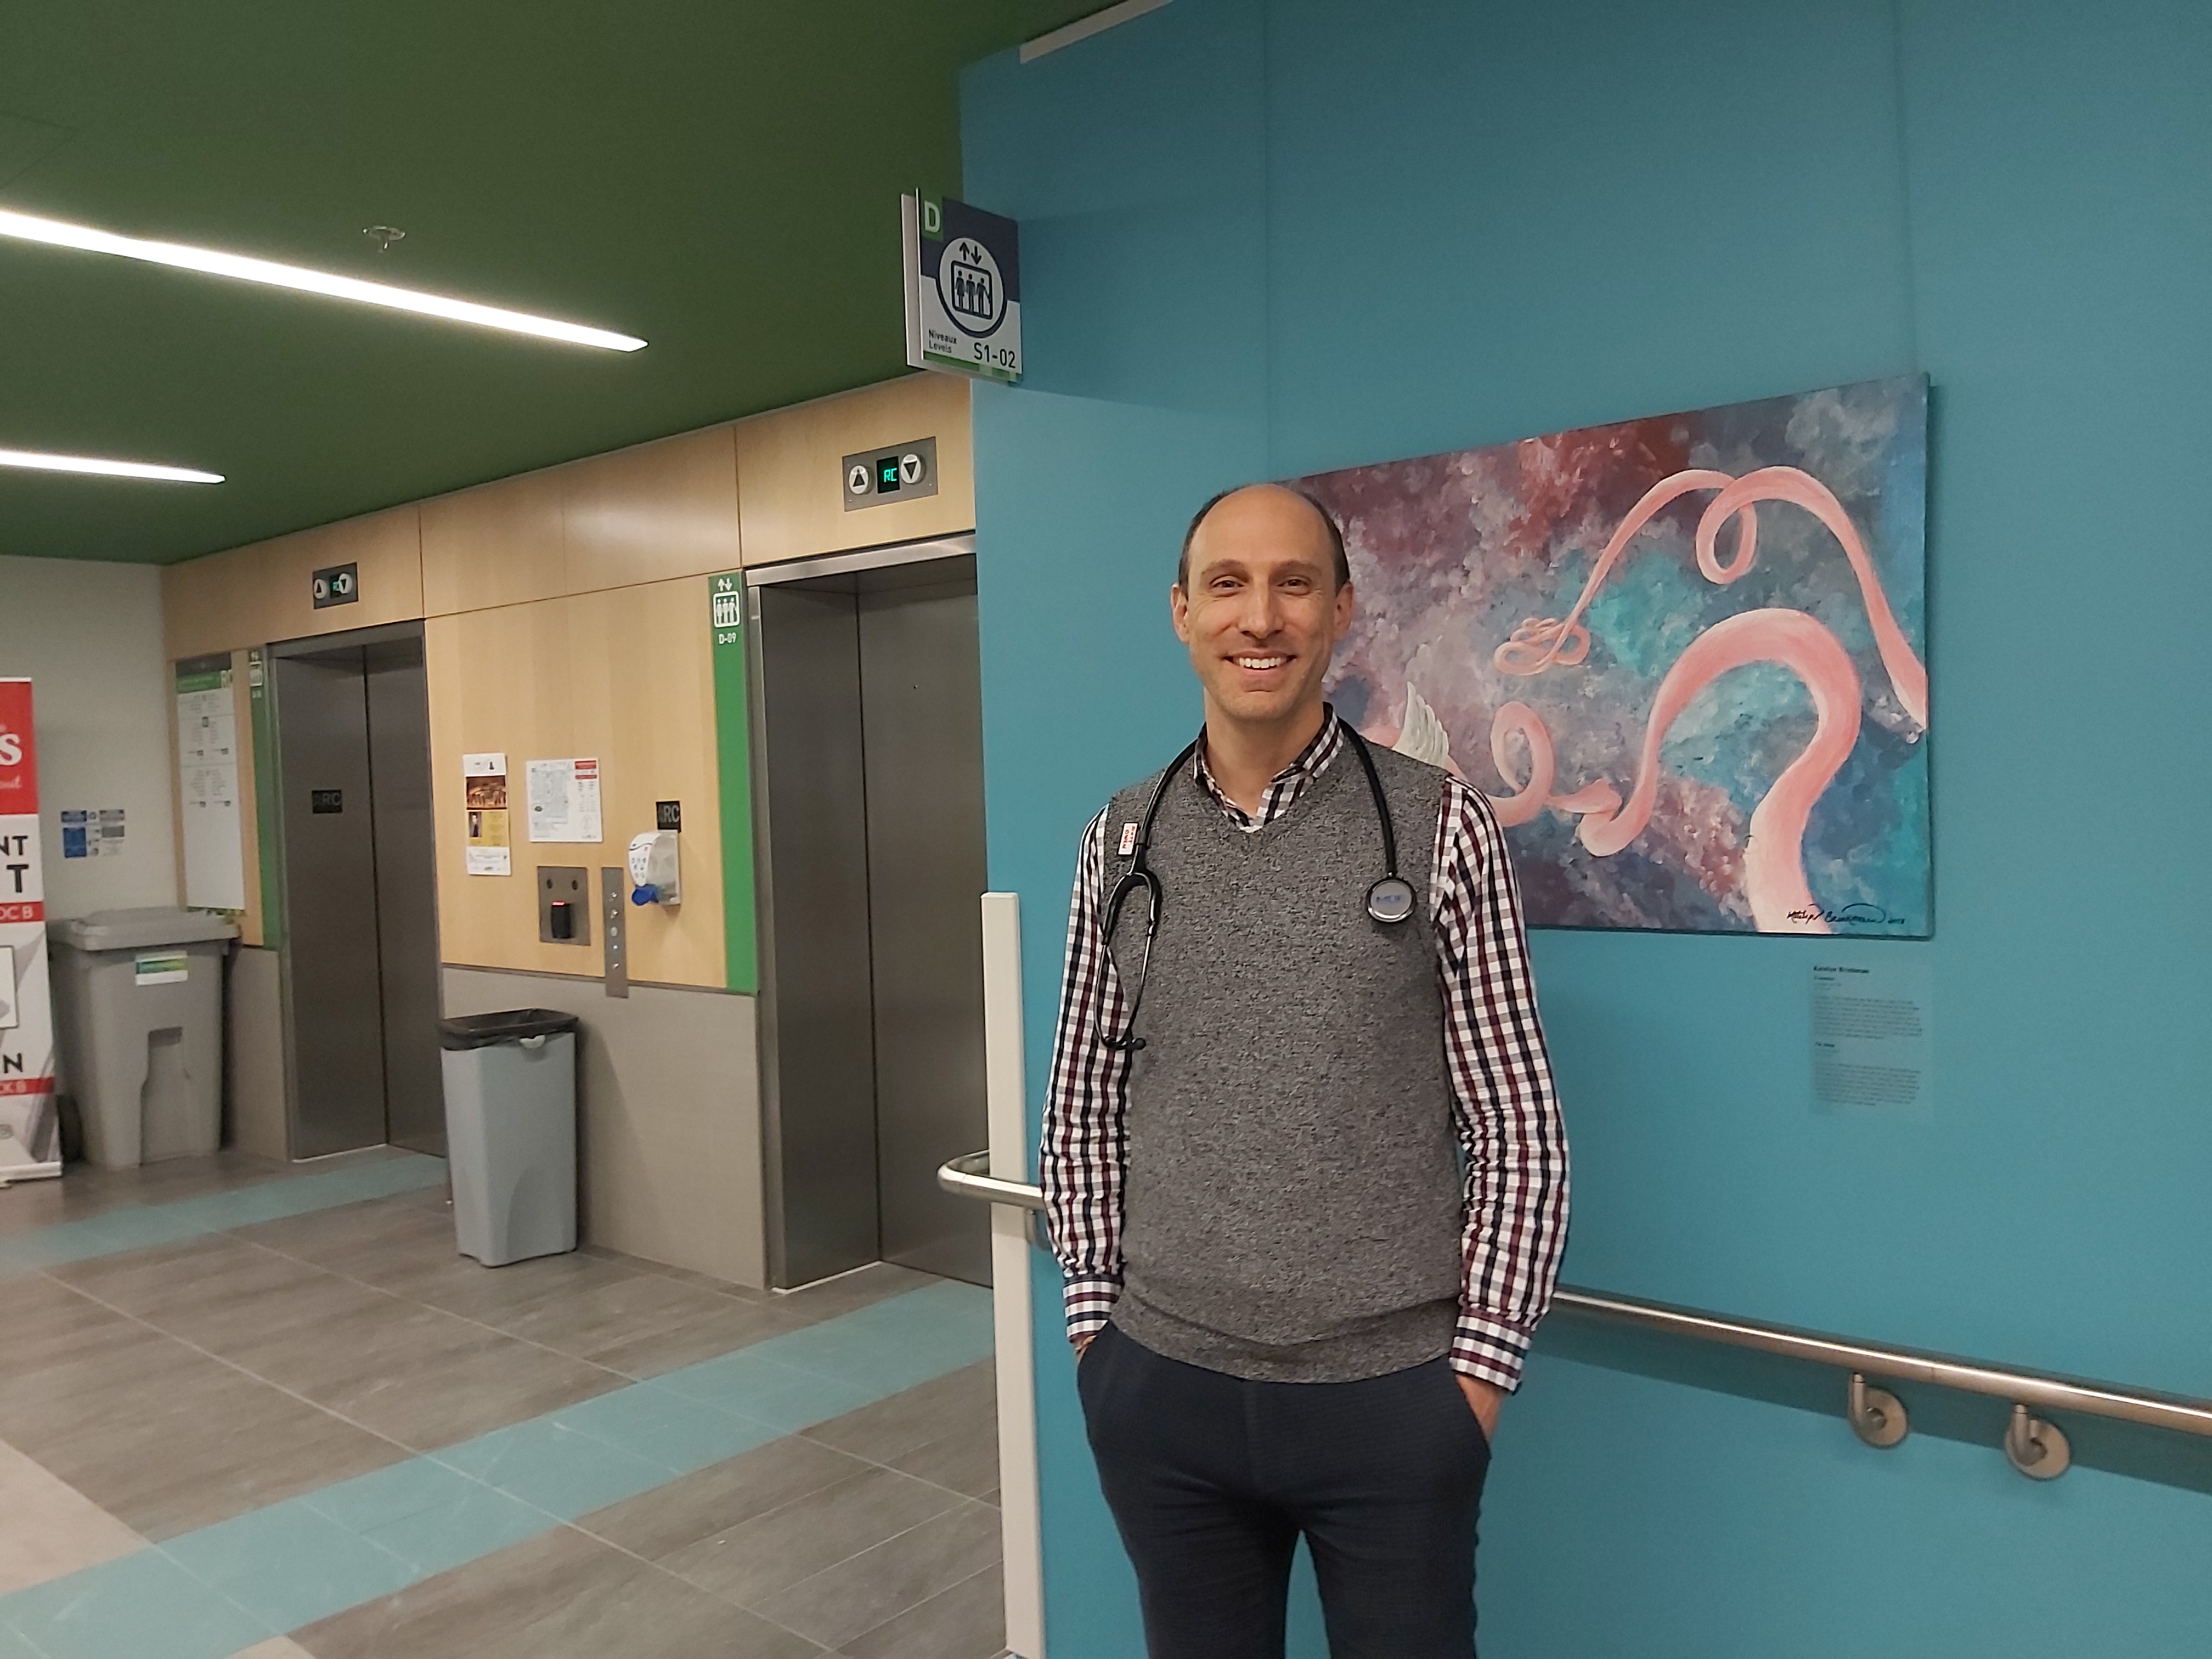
(968,1622)
(498,1294)
(658,1524)
(890,1428)
(767,1555)
(240,1306)
(341,1356)
(855,1596)
(143,1283)
(392,1231)
(559,1596)
(45,1323)
(732,1326)
(180,1441)
(451,1393)
(966,1461)
(588,1318)
(83,1380)
(681,1275)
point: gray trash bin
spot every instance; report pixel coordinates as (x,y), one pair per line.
(511,1132)
(138,1020)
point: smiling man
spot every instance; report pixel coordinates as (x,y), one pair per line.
(1304,1172)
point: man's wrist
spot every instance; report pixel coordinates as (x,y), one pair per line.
(1089,1304)
(1489,1350)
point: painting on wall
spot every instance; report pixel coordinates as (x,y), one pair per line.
(1684,657)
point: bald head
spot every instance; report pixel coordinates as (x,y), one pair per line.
(1274,511)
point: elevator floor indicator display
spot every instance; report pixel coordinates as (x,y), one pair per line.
(899,473)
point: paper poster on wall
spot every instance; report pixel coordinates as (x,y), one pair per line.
(564,799)
(207,781)
(489,854)
(486,784)
(1870,1033)
(1684,656)
(89,832)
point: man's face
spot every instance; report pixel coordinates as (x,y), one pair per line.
(1261,611)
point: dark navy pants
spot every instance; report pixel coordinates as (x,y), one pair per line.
(1212,1480)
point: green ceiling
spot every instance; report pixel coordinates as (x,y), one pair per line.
(721,177)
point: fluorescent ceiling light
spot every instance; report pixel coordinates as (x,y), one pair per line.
(55,233)
(106,469)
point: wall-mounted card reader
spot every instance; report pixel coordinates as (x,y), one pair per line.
(564,905)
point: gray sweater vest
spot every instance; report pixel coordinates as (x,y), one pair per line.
(1291,1209)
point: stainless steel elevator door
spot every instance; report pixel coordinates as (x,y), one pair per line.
(870,797)
(922,716)
(406,893)
(334,998)
(360,870)
(819,1045)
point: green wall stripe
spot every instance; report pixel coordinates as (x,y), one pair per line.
(733,754)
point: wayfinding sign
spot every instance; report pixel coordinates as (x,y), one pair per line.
(29,1148)
(963,289)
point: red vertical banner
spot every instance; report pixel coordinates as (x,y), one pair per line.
(27,1147)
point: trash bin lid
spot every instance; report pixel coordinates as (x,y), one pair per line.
(135,930)
(483,1030)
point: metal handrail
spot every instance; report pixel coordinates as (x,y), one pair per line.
(2036,1448)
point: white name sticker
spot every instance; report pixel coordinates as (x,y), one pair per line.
(1128,838)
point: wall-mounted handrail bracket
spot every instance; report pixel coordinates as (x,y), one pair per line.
(2037,1449)
(1877,1415)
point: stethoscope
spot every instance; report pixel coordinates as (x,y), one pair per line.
(1390,901)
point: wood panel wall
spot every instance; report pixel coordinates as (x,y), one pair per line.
(624,676)
(792,500)
(253,595)
(566,616)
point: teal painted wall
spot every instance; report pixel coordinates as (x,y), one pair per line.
(1262,239)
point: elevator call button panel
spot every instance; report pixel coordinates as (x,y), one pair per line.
(564,905)
(899,473)
(337,584)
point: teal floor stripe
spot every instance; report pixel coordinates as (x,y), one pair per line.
(148,1224)
(208,1593)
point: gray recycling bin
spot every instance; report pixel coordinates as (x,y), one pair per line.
(138,1020)
(511,1132)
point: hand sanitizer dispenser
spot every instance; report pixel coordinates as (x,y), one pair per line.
(655,875)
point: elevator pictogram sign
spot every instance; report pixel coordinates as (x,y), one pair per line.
(963,289)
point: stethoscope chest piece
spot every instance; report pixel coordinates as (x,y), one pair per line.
(1390,900)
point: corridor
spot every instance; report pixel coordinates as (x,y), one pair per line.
(245,1411)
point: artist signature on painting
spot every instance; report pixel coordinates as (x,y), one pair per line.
(1852,916)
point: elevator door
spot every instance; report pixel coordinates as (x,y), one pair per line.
(360,947)
(922,724)
(872,819)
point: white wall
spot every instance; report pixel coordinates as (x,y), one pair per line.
(90,637)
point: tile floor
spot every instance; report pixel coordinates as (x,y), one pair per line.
(326,1433)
